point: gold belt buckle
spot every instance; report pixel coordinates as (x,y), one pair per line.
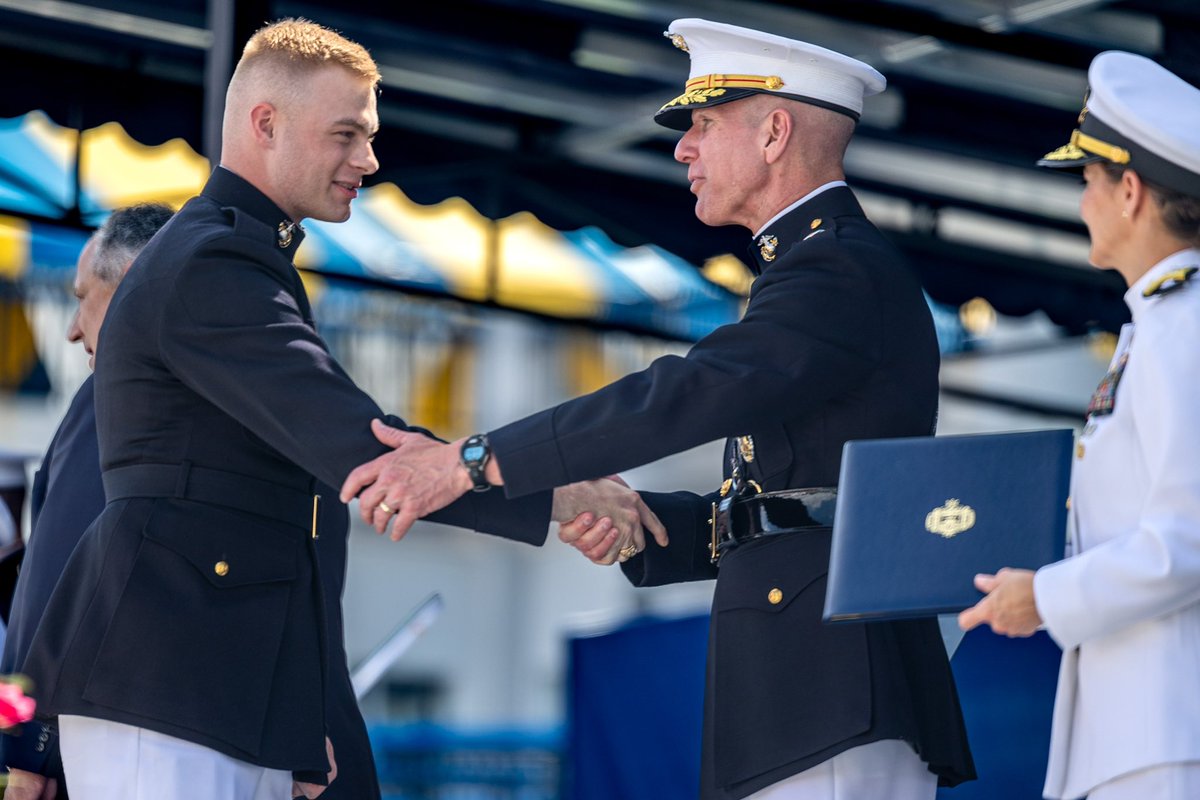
(714,555)
(715,542)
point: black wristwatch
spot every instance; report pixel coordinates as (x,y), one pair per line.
(474,455)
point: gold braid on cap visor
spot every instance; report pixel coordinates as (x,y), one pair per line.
(701,89)
(1082,145)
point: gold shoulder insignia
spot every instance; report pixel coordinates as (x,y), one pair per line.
(1175,279)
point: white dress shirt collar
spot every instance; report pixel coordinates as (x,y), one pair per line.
(799,203)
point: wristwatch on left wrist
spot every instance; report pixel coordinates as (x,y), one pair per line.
(474,456)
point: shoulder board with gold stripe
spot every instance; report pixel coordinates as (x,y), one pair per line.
(1175,279)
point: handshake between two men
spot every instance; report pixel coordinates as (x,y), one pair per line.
(604,519)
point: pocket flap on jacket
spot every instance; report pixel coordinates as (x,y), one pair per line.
(768,574)
(227,547)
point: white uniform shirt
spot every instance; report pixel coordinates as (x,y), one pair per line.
(1126,608)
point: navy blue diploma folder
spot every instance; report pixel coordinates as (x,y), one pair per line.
(918,518)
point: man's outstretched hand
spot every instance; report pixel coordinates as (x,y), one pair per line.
(420,476)
(619,515)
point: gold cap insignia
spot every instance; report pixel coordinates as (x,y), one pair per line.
(950,520)
(766,247)
(693,97)
(1083,146)
(677,40)
(734,81)
(1068,152)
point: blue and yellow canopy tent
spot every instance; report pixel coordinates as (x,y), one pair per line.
(57,182)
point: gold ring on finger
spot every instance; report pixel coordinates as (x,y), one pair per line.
(385,508)
(627,552)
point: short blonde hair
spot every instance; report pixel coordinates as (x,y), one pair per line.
(298,45)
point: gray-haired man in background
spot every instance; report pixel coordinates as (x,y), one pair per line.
(67,493)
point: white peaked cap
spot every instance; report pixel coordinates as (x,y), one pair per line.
(1139,115)
(730,63)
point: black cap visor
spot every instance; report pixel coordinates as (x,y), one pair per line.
(677,114)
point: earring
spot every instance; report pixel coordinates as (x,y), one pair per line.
(1125,214)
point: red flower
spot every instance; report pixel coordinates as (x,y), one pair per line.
(15,707)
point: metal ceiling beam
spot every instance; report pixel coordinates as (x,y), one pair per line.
(136,25)
(1012,18)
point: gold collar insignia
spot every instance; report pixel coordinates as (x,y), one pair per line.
(766,247)
(283,234)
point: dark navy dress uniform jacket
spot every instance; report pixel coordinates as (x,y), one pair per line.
(836,343)
(197,619)
(67,496)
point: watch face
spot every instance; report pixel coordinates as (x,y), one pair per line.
(473,452)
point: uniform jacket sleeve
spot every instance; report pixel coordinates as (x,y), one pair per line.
(686,556)
(34,749)
(792,351)
(233,331)
(1153,570)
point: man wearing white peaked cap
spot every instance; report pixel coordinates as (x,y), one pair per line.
(846,712)
(836,343)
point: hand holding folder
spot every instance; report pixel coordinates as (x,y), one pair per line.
(1009,606)
(917,519)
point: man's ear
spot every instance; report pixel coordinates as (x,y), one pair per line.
(263,122)
(776,132)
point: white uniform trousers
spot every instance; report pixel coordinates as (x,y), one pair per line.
(886,769)
(1180,781)
(110,761)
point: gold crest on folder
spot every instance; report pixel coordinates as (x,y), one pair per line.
(950,520)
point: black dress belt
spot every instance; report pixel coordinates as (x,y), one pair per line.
(752,516)
(229,489)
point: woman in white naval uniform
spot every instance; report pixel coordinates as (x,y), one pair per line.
(1125,608)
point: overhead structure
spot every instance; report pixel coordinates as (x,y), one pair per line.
(545,106)
(52,176)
